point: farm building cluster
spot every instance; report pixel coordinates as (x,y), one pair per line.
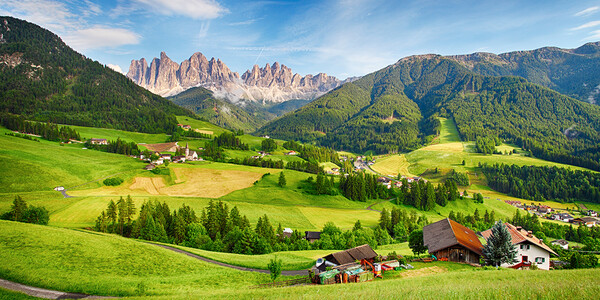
(446,240)
(186,154)
(589,217)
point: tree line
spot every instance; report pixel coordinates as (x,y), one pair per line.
(20,211)
(119,146)
(47,131)
(313,153)
(544,183)
(424,196)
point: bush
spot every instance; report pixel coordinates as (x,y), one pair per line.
(114,181)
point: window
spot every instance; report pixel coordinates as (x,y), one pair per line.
(525,247)
(540,260)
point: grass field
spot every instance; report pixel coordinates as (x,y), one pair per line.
(87,133)
(392,165)
(101,264)
(448,132)
(41,166)
(203,126)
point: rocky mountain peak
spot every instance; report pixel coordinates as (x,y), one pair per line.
(272,83)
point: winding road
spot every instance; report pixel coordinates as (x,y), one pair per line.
(44,293)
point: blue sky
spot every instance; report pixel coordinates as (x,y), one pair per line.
(341,38)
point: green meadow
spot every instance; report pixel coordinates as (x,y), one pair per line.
(87,133)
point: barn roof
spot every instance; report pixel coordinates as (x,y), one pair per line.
(352,255)
(520,235)
(312,235)
(447,233)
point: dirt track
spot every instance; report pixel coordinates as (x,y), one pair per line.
(44,293)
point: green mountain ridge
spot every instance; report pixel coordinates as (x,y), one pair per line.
(43,79)
(396,109)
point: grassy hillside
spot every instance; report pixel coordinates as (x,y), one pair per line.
(41,166)
(49,81)
(101,264)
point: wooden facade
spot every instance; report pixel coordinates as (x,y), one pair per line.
(457,253)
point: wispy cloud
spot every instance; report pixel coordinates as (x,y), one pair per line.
(197,9)
(594,36)
(273,49)
(203,30)
(101,37)
(50,14)
(588,11)
(242,23)
(587,25)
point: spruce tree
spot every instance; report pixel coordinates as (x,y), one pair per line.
(282,182)
(499,248)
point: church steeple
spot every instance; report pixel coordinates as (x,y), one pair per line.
(187,150)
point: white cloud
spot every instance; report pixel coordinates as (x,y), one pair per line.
(587,25)
(588,11)
(52,15)
(101,37)
(117,68)
(203,32)
(242,23)
(595,35)
(197,9)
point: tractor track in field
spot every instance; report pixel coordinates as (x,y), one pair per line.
(45,293)
(284,273)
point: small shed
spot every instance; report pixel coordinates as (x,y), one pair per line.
(449,240)
(352,255)
(312,236)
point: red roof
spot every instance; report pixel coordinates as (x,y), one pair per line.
(520,235)
(447,233)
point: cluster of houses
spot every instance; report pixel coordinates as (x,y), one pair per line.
(186,127)
(189,155)
(590,220)
(99,141)
(446,240)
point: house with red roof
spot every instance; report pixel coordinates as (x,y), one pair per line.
(530,248)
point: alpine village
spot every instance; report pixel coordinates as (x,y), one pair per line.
(416,172)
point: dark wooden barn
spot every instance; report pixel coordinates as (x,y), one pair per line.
(352,255)
(448,240)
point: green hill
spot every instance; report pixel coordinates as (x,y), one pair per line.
(217,111)
(396,109)
(43,79)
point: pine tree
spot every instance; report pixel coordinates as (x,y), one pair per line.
(499,248)
(18,209)
(130,209)
(111,213)
(282,182)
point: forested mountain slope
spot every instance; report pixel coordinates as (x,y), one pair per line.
(573,72)
(394,109)
(43,79)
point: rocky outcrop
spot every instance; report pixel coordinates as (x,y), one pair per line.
(272,83)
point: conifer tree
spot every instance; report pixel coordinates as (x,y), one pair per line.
(499,248)
(282,182)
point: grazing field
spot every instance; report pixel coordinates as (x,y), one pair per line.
(41,166)
(327,166)
(448,132)
(102,264)
(203,126)
(392,165)
(87,133)
(99,264)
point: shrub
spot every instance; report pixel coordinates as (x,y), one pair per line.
(114,181)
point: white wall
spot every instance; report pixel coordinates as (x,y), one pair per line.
(532,253)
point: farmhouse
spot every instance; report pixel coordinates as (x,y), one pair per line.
(352,255)
(186,127)
(565,217)
(591,213)
(530,248)
(448,240)
(561,243)
(178,159)
(98,141)
(165,156)
(312,236)
(292,153)
(587,221)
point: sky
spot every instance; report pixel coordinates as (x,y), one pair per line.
(342,38)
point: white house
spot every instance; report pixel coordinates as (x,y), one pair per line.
(530,248)
(562,243)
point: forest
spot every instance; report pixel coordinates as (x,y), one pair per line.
(544,183)
(53,83)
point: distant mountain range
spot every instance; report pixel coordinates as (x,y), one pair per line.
(41,78)
(272,83)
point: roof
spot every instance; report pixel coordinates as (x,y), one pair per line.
(520,235)
(98,140)
(351,255)
(313,235)
(447,233)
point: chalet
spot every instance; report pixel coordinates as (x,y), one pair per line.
(530,248)
(448,240)
(565,217)
(312,236)
(561,243)
(591,213)
(287,232)
(544,209)
(149,167)
(98,142)
(352,255)
(165,156)
(262,153)
(186,127)
(292,153)
(587,221)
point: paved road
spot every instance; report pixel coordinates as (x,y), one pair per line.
(44,293)
(285,273)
